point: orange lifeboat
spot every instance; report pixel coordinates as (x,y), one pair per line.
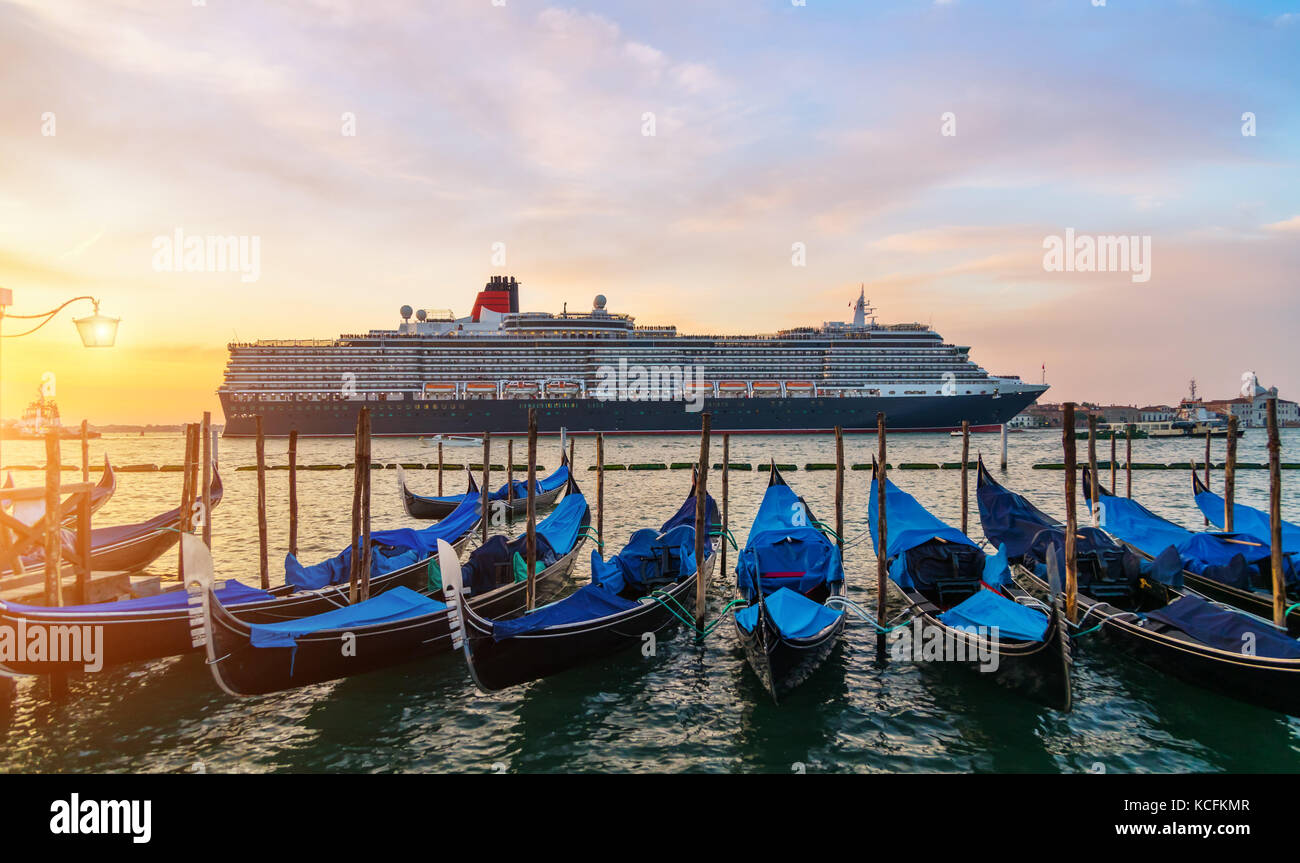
(767,388)
(799,388)
(732,387)
(562,389)
(481,389)
(520,389)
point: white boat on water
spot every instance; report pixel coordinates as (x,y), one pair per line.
(452,440)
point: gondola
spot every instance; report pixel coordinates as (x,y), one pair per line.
(1234,568)
(130,547)
(402,625)
(1245,519)
(1142,609)
(967,602)
(786,572)
(29,512)
(549,489)
(643,589)
(156,626)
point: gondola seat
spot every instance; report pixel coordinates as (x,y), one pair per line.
(946,572)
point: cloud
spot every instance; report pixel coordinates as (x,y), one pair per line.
(1287,226)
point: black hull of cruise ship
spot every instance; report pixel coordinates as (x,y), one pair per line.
(578,416)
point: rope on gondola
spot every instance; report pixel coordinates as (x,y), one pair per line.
(682,615)
(851,606)
(1290,608)
(590,533)
(826,529)
(727,535)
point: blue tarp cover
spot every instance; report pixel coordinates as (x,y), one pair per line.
(793,614)
(986,608)
(587,603)
(640,560)
(547,483)
(413,545)
(400,603)
(1226,630)
(1009,520)
(1202,552)
(908,525)
(784,549)
(234,593)
(561,527)
(686,515)
(1251,522)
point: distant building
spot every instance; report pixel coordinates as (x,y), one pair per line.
(1252,412)
(1157,413)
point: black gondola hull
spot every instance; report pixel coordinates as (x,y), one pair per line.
(782,664)
(499,665)
(1270,683)
(242,669)
(145,635)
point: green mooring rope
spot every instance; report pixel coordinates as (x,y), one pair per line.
(680,612)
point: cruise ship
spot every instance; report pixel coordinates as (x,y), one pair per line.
(599,371)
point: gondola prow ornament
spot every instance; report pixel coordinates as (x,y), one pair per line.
(449,564)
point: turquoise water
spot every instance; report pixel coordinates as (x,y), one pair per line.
(693,707)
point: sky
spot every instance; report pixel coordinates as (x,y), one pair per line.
(378,152)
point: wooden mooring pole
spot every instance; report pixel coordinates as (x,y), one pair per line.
(726,472)
(439,468)
(360,476)
(1095,481)
(1128,460)
(531,545)
(185,521)
(58,681)
(1114,468)
(1071,513)
(293,492)
(839,486)
(367,553)
(510,479)
(1004,447)
(701,522)
(965,479)
(206,488)
(1207,465)
(1275,515)
(1230,475)
(882,533)
(262,567)
(600,492)
(487,478)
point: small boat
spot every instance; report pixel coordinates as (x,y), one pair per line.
(129,547)
(800,388)
(452,440)
(1235,568)
(521,389)
(967,601)
(401,625)
(767,388)
(29,512)
(1142,608)
(732,388)
(481,389)
(787,572)
(156,626)
(643,589)
(562,389)
(513,498)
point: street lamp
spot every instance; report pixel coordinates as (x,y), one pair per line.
(96,331)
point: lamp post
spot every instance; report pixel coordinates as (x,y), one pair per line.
(95,330)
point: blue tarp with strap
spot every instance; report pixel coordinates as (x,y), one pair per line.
(784,549)
(987,609)
(793,614)
(1227,630)
(1251,522)
(409,546)
(909,525)
(400,603)
(234,593)
(1202,552)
